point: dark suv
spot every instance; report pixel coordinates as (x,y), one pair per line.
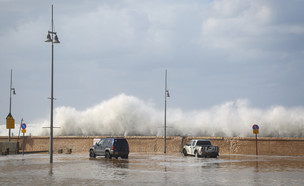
(110,147)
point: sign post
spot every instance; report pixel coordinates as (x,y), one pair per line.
(20,129)
(23,126)
(255,129)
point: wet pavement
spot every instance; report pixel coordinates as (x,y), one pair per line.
(151,169)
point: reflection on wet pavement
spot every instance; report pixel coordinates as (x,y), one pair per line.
(151,169)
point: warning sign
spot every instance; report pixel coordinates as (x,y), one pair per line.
(10,122)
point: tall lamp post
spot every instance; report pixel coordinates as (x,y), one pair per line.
(53,38)
(12,90)
(165,117)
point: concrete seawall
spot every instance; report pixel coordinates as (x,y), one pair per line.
(227,145)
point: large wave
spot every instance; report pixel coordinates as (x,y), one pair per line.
(125,115)
(128,116)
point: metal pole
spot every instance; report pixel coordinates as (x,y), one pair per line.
(10,106)
(11,82)
(165,119)
(256,143)
(23,145)
(52,95)
(20,129)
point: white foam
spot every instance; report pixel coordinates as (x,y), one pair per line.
(127,115)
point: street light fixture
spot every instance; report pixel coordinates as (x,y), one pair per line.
(165,118)
(49,38)
(53,38)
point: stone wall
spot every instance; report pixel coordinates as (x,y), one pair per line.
(227,145)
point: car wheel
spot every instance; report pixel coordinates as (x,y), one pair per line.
(185,152)
(92,154)
(108,156)
(125,157)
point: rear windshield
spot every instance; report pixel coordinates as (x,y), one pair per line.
(120,142)
(203,143)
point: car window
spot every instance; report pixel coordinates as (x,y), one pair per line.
(193,143)
(121,141)
(105,142)
(109,142)
(203,143)
(101,142)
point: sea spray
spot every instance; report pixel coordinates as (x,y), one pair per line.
(125,115)
(122,115)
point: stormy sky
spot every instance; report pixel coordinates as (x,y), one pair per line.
(215,52)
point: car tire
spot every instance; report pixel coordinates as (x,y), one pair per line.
(125,157)
(185,152)
(108,155)
(92,154)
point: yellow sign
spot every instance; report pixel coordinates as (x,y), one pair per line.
(10,122)
(23,130)
(255,131)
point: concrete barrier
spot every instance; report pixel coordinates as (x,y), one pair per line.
(227,145)
(9,148)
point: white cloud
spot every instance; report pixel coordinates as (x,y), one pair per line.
(235,25)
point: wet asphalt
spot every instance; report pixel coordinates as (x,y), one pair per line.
(151,169)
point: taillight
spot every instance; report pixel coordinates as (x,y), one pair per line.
(112,147)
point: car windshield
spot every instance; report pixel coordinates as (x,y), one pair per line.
(203,143)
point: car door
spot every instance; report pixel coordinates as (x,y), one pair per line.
(104,146)
(192,147)
(98,147)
